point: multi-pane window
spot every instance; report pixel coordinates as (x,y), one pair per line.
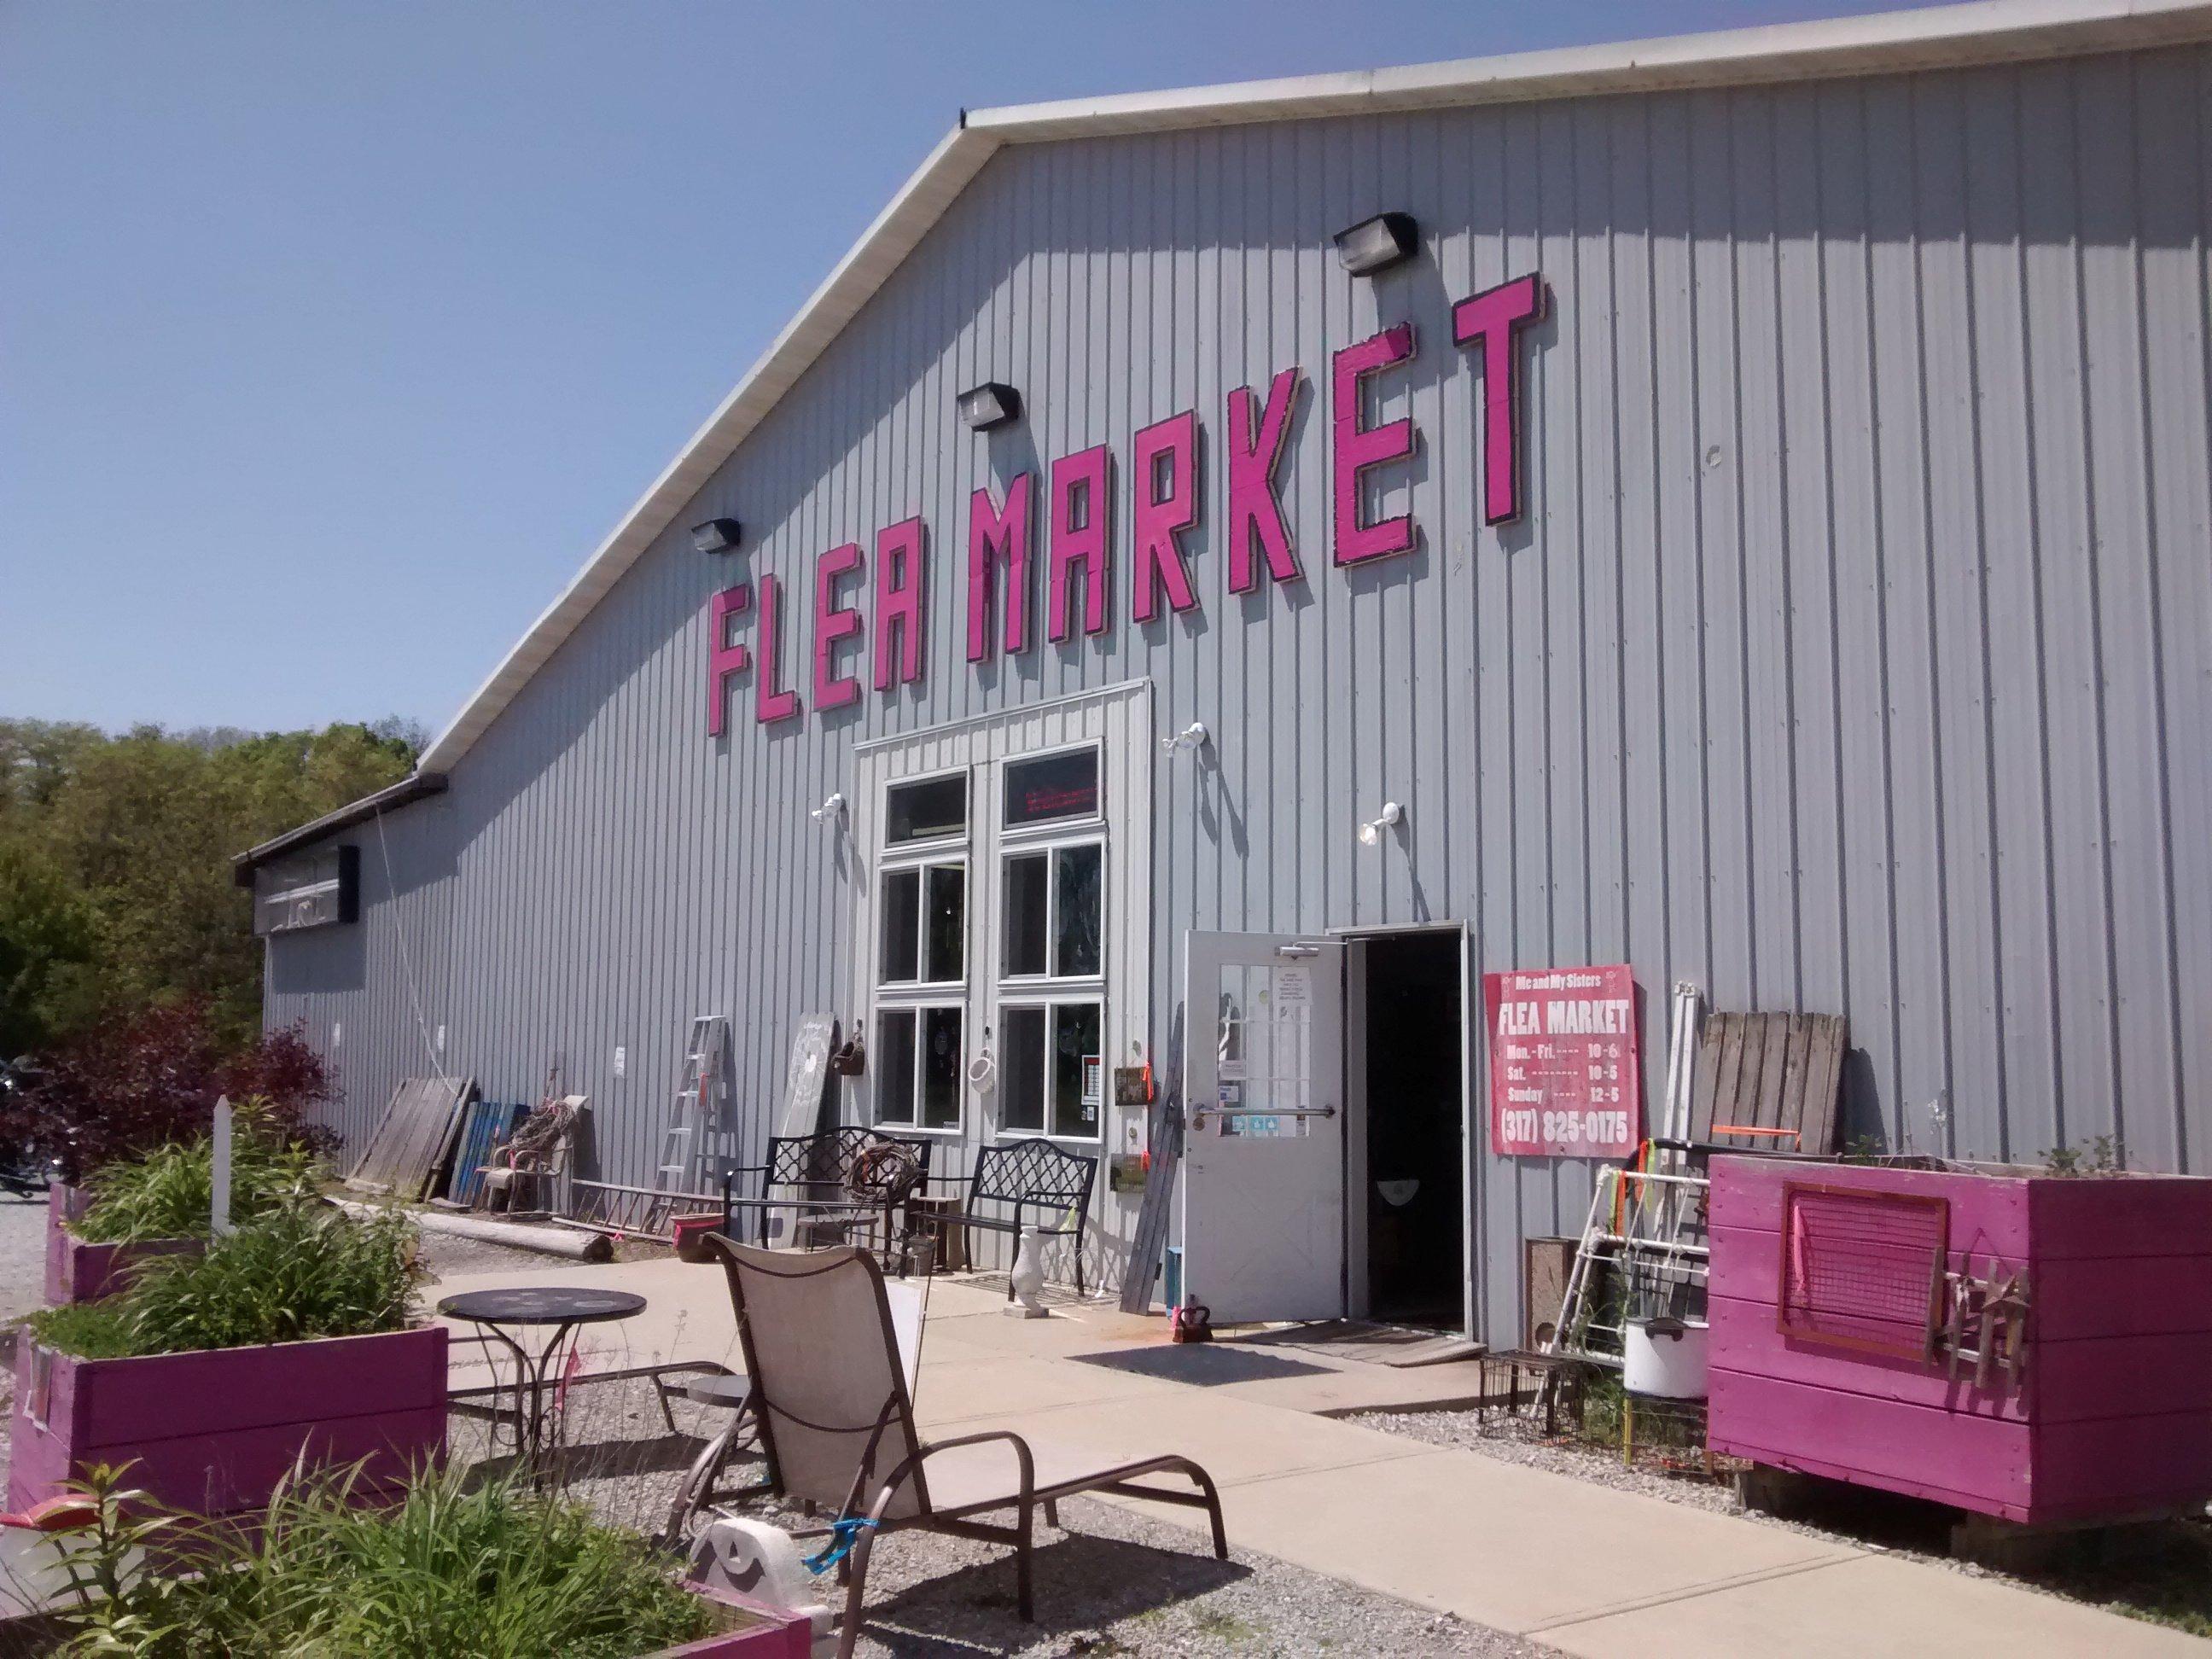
(919,1063)
(921,955)
(1052,1074)
(924,931)
(1052,950)
(1054,912)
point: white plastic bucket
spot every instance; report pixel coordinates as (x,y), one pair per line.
(1668,1363)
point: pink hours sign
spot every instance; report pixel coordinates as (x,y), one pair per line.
(1097,537)
(1563,1062)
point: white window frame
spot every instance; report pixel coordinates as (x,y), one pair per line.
(1095,816)
(1047,990)
(917,1006)
(1011,1002)
(920,868)
(918,995)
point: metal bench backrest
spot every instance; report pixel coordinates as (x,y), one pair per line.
(827,1159)
(1033,1171)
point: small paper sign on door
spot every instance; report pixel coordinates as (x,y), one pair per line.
(1563,1081)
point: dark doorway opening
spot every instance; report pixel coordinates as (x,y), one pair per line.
(1416,1162)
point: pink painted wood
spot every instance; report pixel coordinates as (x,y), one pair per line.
(1359,446)
(770,704)
(757,1631)
(1165,456)
(221,1426)
(724,660)
(78,1271)
(902,561)
(1082,541)
(1490,323)
(2113,1415)
(834,621)
(999,536)
(1257,439)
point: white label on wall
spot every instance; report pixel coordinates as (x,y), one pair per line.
(441,1039)
(337,1033)
(622,1060)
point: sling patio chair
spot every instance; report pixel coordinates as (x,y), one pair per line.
(836,1418)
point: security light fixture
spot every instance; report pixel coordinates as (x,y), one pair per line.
(1376,244)
(1190,738)
(992,403)
(1370,833)
(715,536)
(831,812)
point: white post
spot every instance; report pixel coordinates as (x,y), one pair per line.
(219,1217)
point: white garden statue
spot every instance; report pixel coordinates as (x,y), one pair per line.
(1028,1278)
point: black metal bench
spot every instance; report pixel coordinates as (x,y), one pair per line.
(1037,1179)
(821,1169)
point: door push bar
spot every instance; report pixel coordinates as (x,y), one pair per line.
(1205,1112)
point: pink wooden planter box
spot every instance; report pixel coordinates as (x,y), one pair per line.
(213,1432)
(80,1272)
(756,1631)
(2112,1414)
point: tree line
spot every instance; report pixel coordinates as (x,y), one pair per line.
(116,894)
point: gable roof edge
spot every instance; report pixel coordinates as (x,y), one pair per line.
(1990,31)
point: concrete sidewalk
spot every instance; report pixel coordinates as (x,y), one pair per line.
(1580,1567)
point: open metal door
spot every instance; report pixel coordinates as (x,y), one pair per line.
(1263,1160)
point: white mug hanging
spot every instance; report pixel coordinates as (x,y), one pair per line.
(983,1073)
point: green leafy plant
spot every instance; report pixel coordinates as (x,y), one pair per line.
(301,1270)
(487,1570)
(2102,1156)
(167,1193)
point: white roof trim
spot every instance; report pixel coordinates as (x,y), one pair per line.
(1940,37)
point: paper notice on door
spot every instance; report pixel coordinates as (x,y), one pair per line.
(1293,988)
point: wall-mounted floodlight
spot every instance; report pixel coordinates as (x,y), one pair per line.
(715,536)
(992,403)
(830,812)
(1191,738)
(1376,244)
(1370,833)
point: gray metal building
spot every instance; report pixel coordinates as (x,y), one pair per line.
(1810,597)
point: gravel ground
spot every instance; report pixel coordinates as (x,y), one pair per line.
(22,1255)
(1512,1439)
(1108,1582)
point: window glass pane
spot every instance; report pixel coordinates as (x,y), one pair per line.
(942,1063)
(1064,786)
(1021,1071)
(1078,872)
(1078,1069)
(919,811)
(1026,874)
(894,1064)
(947,956)
(902,927)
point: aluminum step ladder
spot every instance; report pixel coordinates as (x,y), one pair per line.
(699,1096)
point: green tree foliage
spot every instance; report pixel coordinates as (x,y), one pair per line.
(115,876)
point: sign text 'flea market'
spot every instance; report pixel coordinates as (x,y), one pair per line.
(1164,506)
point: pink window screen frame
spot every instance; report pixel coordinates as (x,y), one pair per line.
(1792,1316)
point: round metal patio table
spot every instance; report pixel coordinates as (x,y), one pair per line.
(566,1310)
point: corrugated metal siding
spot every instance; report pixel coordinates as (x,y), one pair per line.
(1852,655)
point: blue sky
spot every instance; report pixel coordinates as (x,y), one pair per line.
(334,337)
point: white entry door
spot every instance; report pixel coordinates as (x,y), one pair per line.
(1263,1164)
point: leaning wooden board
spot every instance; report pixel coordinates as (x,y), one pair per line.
(411,1144)
(1771,1072)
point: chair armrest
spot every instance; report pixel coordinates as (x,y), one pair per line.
(1024,1459)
